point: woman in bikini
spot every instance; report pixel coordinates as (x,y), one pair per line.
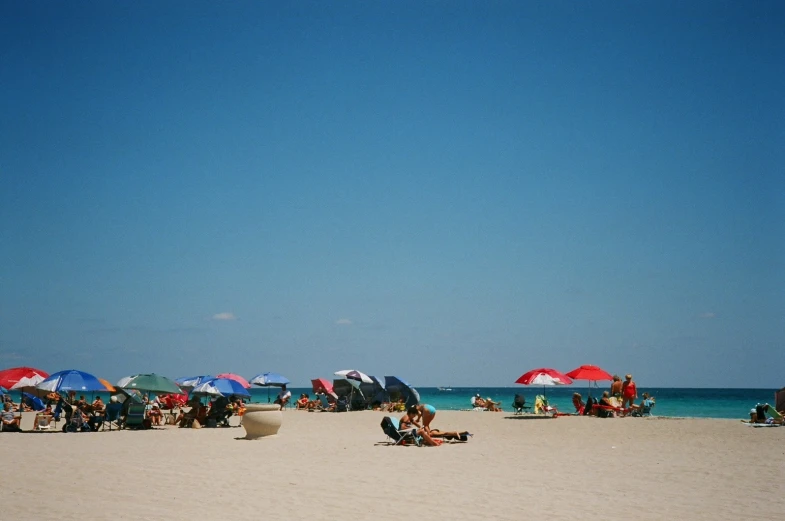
(409,420)
(426,413)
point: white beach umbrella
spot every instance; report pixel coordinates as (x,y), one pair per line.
(354,376)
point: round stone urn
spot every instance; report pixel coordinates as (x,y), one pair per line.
(261,419)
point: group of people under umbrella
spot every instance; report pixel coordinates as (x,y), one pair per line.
(41,391)
(619,400)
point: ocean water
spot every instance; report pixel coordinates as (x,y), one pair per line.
(672,402)
(696,403)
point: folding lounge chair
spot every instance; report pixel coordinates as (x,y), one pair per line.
(541,406)
(392,428)
(135,417)
(644,409)
(43,422)
(519,405)
(112,416)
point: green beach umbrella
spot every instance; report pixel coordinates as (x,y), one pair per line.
(150,383)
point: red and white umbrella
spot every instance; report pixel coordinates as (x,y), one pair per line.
(22,378)
(544,376)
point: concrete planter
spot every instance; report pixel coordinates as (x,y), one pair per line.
(261,420)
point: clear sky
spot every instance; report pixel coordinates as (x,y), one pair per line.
(450,192)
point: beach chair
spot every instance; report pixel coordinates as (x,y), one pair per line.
(134,419)
(519,405)
(43,422)
(541,406)
(112,416)
(76,422)
(644,409)
(392,428)
(342,404)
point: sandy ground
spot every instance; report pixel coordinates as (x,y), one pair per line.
(328,466)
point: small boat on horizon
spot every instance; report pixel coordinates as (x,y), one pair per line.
(445,389)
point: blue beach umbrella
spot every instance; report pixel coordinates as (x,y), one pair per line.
(269,380)
(394,384)
(33,401)
(221,387)
(72,380)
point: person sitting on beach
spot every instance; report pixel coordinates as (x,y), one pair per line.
(604,407)
(397,406)
(81,403)
(302,403)
(98,405)
(409,421)
(577,403)
(629,392)
(283,397)
(155,415)
(492,406)
(239,406)
(477,401)
(8,420)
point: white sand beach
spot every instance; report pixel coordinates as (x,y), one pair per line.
(327,466)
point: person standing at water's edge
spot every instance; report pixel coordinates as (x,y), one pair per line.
(629,392)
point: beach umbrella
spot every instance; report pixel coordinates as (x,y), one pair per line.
(269,380)
(33,401)
(150,383)
(22,378)
(109,387)
(221,387)
(236,378)
(544,377)
(393,384)
(355,377)
(71,380)
(189,382)
(592,373)
(321,385)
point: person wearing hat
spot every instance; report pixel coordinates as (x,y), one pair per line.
(629,392)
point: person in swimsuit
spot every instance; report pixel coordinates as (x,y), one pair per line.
(409,420)
(629,392)
(426,413)
(616,386)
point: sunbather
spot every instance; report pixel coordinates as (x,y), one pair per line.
(577,402)
(409,420)
(451,435)
(155,415)
(283,397)
(8,420)
(302,402)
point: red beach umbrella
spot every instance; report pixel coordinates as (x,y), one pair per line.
(592,373)
(11,377)
(236,377)
(544,376)
(589,372)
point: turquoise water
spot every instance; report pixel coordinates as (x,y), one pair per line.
(698,403)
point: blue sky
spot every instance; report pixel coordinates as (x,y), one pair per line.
(450,192)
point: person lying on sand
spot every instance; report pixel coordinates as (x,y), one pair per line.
(451,435)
